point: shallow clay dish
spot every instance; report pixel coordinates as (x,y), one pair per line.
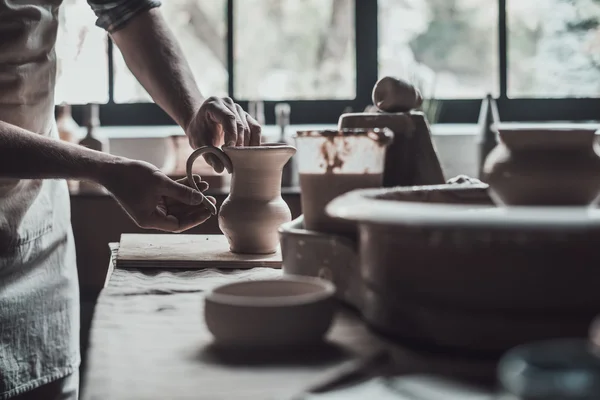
(293,310)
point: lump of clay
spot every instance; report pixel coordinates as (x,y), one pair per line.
(461,179)
(396,95)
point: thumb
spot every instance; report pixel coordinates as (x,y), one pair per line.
(214,162)
(183,193)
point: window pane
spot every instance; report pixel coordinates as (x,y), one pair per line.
(448,48)
(200,26)
(294,50)
(82,61)
(554,48)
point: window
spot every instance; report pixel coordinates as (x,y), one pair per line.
(201,29)
(82,58)
(300,50)
(541,60)
(449,48)
(554,48)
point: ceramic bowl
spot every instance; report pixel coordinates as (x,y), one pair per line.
(292,310)
(443,267)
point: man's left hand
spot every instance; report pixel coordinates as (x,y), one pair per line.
(221,121)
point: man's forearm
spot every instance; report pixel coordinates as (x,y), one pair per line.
(155,58)
(26,155)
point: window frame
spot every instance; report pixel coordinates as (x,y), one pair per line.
(328,111)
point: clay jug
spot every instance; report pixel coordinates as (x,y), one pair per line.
(252,213)
(544,167)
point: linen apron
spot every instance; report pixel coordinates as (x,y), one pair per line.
(39,294)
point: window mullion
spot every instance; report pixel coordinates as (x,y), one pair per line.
(230,49)
(503,48)
(365,19)
(111,72)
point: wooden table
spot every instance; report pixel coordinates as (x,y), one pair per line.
(149,341)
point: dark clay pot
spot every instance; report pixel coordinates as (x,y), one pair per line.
(544,167)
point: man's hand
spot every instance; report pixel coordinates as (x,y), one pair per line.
(153,200)
(150,197)
(220,121)
(153,55)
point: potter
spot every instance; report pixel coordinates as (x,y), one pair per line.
(254,209)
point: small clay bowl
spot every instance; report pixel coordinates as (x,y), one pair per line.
(293,310)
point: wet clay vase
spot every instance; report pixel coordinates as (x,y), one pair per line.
(252,213)
(544,167)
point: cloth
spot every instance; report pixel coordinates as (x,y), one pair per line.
(114,14)
(149,341)
(66,388)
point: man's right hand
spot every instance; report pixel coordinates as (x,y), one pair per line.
(152,199)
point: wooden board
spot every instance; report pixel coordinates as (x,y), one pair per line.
(186,251)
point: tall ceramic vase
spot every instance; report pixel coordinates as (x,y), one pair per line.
(252,213)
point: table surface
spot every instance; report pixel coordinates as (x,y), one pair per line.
(149,341)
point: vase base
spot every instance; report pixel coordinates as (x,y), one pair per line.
(250,251)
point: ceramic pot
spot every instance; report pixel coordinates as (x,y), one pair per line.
(441,267)
(270,313)
(544,167)
(254,210)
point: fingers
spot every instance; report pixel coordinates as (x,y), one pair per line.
(182,193)
(239,139)
(214,162)
(220,113)
(179,219)
(194,217)
(239,128)
(201,185)
(244,140)
(255,131)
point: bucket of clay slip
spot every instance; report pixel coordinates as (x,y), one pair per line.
(333,162)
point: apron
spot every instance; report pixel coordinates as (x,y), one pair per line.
(39,294)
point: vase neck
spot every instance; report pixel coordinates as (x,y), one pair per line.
(257,170)
(256,183)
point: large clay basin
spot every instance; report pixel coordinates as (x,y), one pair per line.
(442,266)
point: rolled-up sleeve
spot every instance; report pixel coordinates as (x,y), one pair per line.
(114,14)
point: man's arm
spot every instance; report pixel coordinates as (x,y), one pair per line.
(152,199)
(26,155)
(153,55)
(155,58)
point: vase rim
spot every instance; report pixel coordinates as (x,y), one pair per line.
(546,137)
(383,136)
(262,147)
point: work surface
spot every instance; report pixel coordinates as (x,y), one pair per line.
(149,341)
